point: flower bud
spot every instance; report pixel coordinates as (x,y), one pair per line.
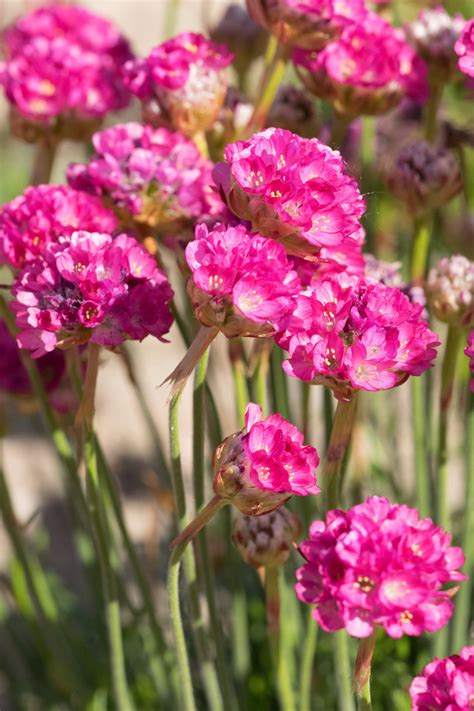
(294,109)
(425,177)
(266,540)
(433,35)
(450,290)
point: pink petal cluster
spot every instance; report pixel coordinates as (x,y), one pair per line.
(43,215)
(182,82)
(152,176)
(90,287)
(464,48)
(445,684)
(379,564)
(352,334)
(368,70)
(469,351)
(241,282)
(294,190)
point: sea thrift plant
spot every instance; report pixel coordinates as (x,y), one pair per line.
(268,539)
(464,48)
(293,190)
(445,684)
(45,214)
(356,334)
(368,70)
(154,179)
(182,83)
(379,564)
(450,290)
(90,287)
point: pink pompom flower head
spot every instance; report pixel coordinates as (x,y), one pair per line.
(293,190)
(182,83)
(155,180)
(379,564)
(241,284)
(258,469)
(368,70)
(355,334)
(43,215)
(464,48)
(445,684)
(90,287)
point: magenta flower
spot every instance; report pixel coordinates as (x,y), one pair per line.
(294,190)
(90,287)
(241,282)
(150,177)
(464,48)
(445,684)
(182,83)
(379,564)
(43,215)
(469,351)
(368,70)
(352,334)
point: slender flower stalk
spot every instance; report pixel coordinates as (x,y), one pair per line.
(260,376)
(275,71)
(338,443)
(362,672)
(431,110)
(418,408)
(340,640)
(421,245)
(241,391)
(45,153)
(307,663)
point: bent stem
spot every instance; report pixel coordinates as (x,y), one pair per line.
(178,378)
(338,443)
(273,78)
(362,672)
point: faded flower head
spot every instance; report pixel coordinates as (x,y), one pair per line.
(450,290)
(182,83)
(306,23)
(389,273)
(268,539)
(368,70)
(45,214)
(293,190)
(241,35)
(90,287)
(433,35)
(464,48)
(355,334)
(259,468)
(150,177)
(469,352)
(379,564)
(241,282)
(445,684)
(294,109)
(425,177)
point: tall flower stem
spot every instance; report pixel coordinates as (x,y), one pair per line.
(420,249)
(341,656)
(431,109)
(171,17)
(273,77)
(260,375)
(241,391)
(362,672)
(420,444)
(340,124)
(43,161)
(281,401)
(338,443)
(307,662)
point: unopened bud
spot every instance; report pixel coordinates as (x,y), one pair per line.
(266,540)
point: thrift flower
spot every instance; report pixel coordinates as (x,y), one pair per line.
(293,190)
(368,70)
(464,48)
(450,290)
(445,684)
(90,287)
(268,539)
(379,564)
(433,35)
(182,83)
(153,179)
(355,334)
(43,215)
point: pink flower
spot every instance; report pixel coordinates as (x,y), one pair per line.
(153,177)
(90,287)
(182,82)
(368,70)
(379,564)
(43,215)
(241,282)
(469,351)
(293,190)
(464,48)
(445,684)
(352,334)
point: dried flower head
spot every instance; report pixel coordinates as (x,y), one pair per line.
(241,35)
(450,290)
(268,539)
(445,684)
(433,35)
(294,109)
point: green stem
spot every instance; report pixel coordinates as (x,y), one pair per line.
(343,670)
(241,391)
(328,410)
(362,672)
(272,584)
(420,445)
(307,663)
(420,249)
(279,381)
(259,377)
(431,110)
(305,394)
(338,442)
(273,78)
(339,129)
(43,161)
(171,18)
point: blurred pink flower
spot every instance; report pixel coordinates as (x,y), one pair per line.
(445,684)
(464,48)
(379,564)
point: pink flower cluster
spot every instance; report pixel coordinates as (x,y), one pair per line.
(464,48)
(152,176)
(351,334)
(64,63)
(90,287)
(368,70)
(182,82)
(241,282)
(445,684)
(43,215)
(294,190)
(379,564)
